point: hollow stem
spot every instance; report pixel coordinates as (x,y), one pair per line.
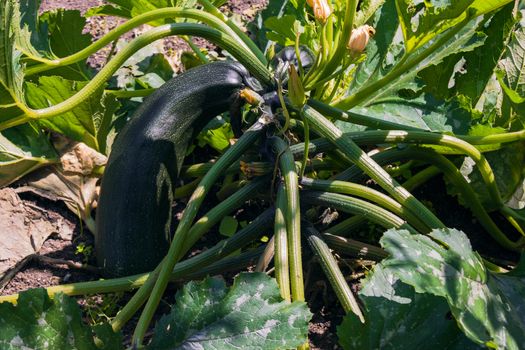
(148,37)
(356,206)
(292,217)
(332,272)
(353,189)
(326,129)
(282,272)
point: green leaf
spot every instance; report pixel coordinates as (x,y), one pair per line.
(38,322)
(399,318)
(487,306)
(23,149)
(108,10)
(423,20)
(228,226)
(424,112)
(249,315)
(11,72)
(385,58)
(276,10)
(507,166)
(512,66)
(82,122)
(66,37)
(217,134)
(469,73)
(132,8)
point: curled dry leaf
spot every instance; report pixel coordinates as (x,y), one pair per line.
(25,227)
(74,181)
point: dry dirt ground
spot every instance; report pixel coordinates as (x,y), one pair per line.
(35,273)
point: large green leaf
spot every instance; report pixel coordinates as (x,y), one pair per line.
(249,315)
(82,123)
(11,73)
(488,307)
(66,37)
(424,112)
(423,20)
(384,59)
(399,318)
(469,73)
(22,150)
(512,65)
(38,322)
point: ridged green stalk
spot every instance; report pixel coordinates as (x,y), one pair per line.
(292,217)
(356,206)
(326,129)
(367,193)
(332,272)
(282,267)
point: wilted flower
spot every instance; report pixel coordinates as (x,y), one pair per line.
(359,38)
(322,9)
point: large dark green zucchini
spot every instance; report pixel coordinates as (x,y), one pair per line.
(134,211)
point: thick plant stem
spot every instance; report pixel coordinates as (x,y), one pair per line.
(209,7)
(354,248)
(356,206)
(105,73)
(367,193)
(453,175)
(326,129)
(181,234)
(332,272)
(282,267)
(292,217)
(224,208)
(117,32)
(356,118)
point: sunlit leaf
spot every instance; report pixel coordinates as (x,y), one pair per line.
(82,122)
(249,315)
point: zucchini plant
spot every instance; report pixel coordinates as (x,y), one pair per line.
(343,104)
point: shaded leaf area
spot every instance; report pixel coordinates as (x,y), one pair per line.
(488,307)
(276,22)
(89,122)
(66,37)
(399,318)
(507,166)
(512,66)
(38,322)
(22,150)
(251,314)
